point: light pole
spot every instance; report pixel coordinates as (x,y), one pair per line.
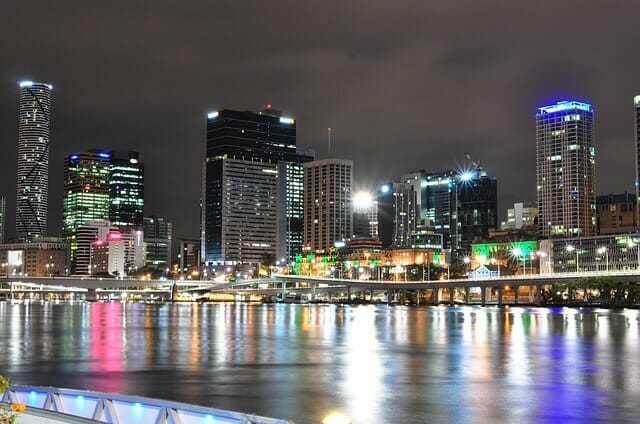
(467,261)
(603,250)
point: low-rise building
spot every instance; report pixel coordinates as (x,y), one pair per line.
(46,257)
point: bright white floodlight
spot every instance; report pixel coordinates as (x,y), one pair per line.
(362,201)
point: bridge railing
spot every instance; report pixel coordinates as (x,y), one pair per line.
(121,409)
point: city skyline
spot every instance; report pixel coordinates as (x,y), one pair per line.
(380,92)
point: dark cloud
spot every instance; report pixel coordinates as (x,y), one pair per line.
(405,85)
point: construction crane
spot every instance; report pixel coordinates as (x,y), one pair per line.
(477,165)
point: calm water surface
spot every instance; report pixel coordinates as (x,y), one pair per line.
(377,364)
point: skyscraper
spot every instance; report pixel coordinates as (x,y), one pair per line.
(86,193)
(126,190)
(405,213)
(439,205)
(385,213)
(327,203)
(33,159)
(477,208)
(158,235)
(252,190)
(565,168)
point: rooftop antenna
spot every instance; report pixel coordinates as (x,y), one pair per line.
(329,142)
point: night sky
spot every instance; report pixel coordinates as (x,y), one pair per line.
(405,85)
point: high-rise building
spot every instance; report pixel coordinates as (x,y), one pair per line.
(252,190)
(158,235)
(3,217)
(439,205)
(126,190)
(417,181)
(86,193)
(565,168)
(328,211)
(33,160)
(385,213)
(405,213)
(477,208)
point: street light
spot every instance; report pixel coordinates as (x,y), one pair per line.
(603,250)
(570,248)
(517,252)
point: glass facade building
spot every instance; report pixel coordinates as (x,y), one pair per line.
(33,160)
(477,208)
(86,193)
(565,168)
(126,190)
(251,157)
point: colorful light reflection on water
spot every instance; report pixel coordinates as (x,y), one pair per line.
(373,363)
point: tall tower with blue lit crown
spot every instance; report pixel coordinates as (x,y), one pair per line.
(565,169)
(33,160)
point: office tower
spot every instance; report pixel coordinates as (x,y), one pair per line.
(126,190)
(252,190)
(636,107)
(404,207)
(327,203)
(417,181)
(3,217)
(565,167)
(616,213)
(439,205)
(33,160)
(86,193)
(385,213)
(158,234)
(477,208)
(521,215)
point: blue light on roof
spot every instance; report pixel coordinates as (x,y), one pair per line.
(212,115)
(285,120)
(566,105)
(104,155)
(73,157)
(25,84)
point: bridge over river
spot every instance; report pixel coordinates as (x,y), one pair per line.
(521,289)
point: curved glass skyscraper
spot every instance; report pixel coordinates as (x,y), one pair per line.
(33,159)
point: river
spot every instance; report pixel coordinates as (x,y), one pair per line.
(376,364)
